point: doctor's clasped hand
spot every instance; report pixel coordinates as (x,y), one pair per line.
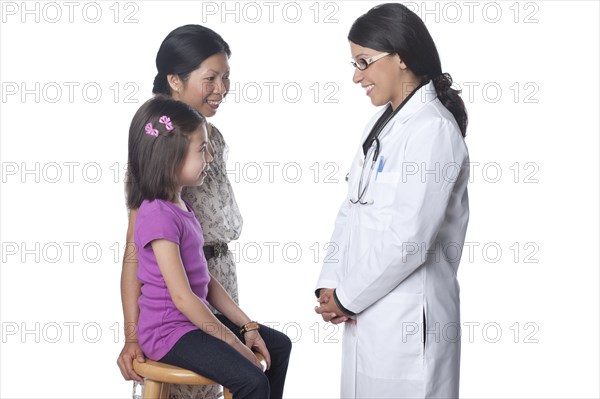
(328,308)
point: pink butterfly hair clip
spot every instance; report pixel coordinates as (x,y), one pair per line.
(165,120)
(151,130)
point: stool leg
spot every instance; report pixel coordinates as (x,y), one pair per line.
(152,389)
(227,394)
(164,392)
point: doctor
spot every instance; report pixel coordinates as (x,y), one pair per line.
(400,231)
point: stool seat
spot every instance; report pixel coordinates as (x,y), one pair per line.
(158,377)
(163,372)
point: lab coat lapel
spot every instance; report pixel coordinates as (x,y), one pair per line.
(423,96)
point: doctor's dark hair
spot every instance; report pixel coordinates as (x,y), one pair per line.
(182,52)
(395,29)
(155,160)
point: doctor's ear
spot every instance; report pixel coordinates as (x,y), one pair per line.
(175,83)
(400,63)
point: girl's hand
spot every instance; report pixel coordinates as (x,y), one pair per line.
(255,341)
(130,351)
(248,354)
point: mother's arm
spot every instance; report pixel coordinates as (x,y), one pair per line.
(130,292)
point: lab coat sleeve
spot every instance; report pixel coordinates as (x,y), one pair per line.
(331,271)
(333,264)
(417,211)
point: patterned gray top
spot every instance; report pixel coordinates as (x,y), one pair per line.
(214,201)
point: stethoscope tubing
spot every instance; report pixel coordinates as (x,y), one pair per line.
(375,147)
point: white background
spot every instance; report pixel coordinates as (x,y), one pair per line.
(530,312)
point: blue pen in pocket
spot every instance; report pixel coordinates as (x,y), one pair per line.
(380,167)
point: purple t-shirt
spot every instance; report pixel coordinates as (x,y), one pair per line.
(160,324)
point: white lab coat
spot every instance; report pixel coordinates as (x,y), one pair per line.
(395,259)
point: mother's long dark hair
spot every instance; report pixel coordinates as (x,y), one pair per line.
(182,51)
(395,29)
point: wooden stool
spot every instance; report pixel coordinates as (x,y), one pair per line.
(159,376)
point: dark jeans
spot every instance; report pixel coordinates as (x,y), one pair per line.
(219,361)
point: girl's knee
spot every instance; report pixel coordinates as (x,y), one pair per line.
(281,343)
(262,381)
(258,385)
(286,344)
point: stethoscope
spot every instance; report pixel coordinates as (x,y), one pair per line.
(373,151)
(373,154)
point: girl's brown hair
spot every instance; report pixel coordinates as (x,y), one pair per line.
(156,153)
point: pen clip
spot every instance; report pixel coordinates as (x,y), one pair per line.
(380,166)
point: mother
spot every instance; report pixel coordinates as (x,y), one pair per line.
(193,67)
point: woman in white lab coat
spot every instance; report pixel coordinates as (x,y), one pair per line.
(400,232)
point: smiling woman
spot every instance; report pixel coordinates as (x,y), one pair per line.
(205,87)
(193,67)
(391,285)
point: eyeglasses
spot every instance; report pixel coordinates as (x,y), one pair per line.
(362,63)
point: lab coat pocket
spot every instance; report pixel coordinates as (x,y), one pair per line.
(384,188)
(390,338)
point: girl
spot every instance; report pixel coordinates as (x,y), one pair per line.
(193,67)
(168,149)
(401,230)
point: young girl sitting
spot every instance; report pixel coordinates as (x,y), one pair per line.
(168,149)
